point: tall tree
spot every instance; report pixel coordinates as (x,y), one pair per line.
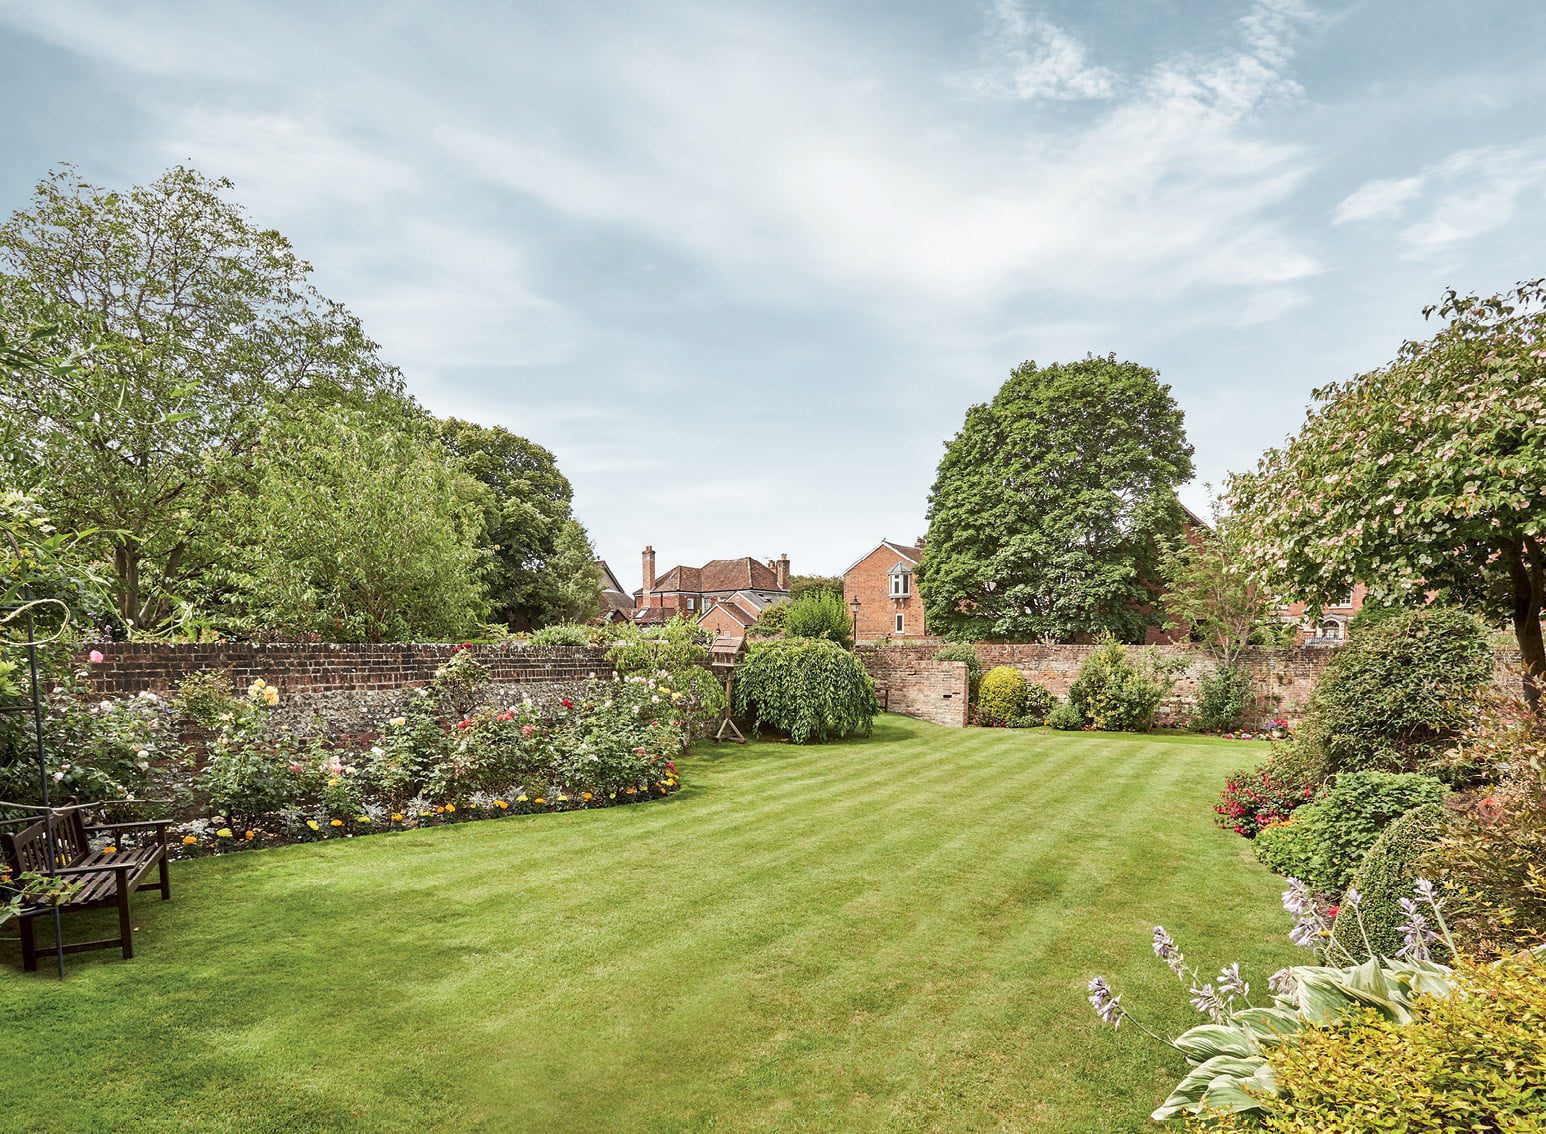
(1425,476)
(528,508)
(573,576)
(200,324)
(1048,506)
(358,531)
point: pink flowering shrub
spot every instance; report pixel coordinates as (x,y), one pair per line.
(1259,797)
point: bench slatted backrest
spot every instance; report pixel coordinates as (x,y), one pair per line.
(27,850)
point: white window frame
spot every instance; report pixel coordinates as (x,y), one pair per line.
(902,584)
(901,622)
(692,603)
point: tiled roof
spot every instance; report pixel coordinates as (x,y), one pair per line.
(616,600)
(743,574)
(730,607)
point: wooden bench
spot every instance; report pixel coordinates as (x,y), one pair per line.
(101,878)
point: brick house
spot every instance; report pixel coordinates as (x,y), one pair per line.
(732,615)
(1330,629)
(693,591)
(889,603)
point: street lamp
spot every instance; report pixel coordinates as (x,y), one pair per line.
(853,605)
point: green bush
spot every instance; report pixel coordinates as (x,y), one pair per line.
(1064,716)
(1469,1061)
(1358,807)
(1038,703)
(563,634)
(1116,695)
(1324,842)
(770,623)
(819,614)
(1222,697)
(810,688)
(967,654)
(1399,692)
(1383,878)
(1291,848)
(1000,696)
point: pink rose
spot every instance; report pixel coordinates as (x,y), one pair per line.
(95,657)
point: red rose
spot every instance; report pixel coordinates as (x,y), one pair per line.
(1331,912)
(568,704)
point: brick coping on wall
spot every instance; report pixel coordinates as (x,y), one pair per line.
(133,667)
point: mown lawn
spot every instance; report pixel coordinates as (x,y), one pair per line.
(892,934)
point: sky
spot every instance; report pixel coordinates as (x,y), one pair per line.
(743,268)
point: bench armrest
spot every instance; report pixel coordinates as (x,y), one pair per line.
(137,825)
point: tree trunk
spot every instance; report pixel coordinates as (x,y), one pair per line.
(1529,578)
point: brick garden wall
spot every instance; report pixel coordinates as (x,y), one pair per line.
(918,686)
(132,667)
(1281,679)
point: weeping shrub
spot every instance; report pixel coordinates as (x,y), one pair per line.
(810,688)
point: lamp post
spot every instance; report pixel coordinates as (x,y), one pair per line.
(853,605)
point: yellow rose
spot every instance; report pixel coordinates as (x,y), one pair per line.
(450,807)
(501,804)
(109,850)
(312,823)
(223,833)
(189,840)
(397,818)
(336,823)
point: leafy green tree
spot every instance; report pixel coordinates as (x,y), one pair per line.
(528,510)
(1425,476)
(802,585)
(1049,505)
(811,688)
(573,576)
(200,325)
(819,614)
(359,532)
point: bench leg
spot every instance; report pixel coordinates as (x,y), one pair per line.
(29,946)
(125,928)
(166,879)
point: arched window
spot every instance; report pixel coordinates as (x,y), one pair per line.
(1331,630)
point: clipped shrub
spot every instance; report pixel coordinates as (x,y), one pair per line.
(819,614)
(1383,878)
(1293,847)
(1116,695)
(1222,697)
(770,623)
(1358,807)
(810,688)
(1038,704)
(1470,1060)
(1400,691)
(968,654)
(1256,798)
(563,634)
(1065,717)
(1000,696)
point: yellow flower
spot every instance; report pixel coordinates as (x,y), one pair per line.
(312,823)
(398,722)
(633,791)
(450,807)
(585,795)
(189,840)
(336,823)
(397,818)
(109,850)
(520,799)
(362,818)
(250,836)
(539,800)
(223,833)
(501,804)
(612,796)
(563,799)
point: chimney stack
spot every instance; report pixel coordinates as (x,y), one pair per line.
(781,572)
(649,569)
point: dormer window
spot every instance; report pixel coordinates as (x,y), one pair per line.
(901,581)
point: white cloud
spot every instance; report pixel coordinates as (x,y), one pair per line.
(1468,194)
(1378,199)
(1028,57)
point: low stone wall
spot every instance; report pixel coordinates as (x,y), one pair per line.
(917,686)
(134,667)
